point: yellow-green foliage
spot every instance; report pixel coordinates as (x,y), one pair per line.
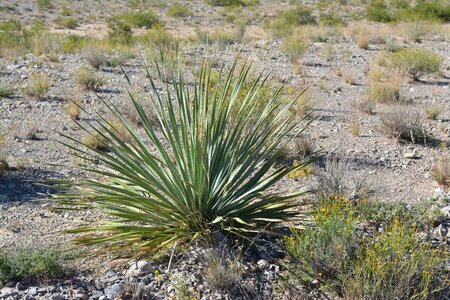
(300,173)
(66,22)
(287,20)
(38,85)
(146,19)
(392,264)
(416,61)
(295,46)
(179,11)
(232,2)
(88,79)
(384,92)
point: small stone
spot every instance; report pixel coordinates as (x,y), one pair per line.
(112,291)
(262,264)
(20,286)
(141,267)
(33,291)
(411,155)
(446,211)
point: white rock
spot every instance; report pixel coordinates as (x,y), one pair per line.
(140,267)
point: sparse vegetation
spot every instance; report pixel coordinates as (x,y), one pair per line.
(146,19)
(179,11)
(403,124)
(66,22)
(433,111)
(287,20)
(6,91)
(32,265)
(38,85)
(440,171)
(88,79)
(365,106)
(338,177)
(416,61)
(94,55)
(352,264)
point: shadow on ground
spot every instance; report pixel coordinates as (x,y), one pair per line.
(27,184)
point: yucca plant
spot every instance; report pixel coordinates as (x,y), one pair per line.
(197,172)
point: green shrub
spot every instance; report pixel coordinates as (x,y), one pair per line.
(44,4)
(73,43)
(232,2)
(203,176)
(416,61)
(120,33)
(6,91)
(146,19)
(391,264)
(428,11)
(385,92)
(378,11)
(31,265)
(287,20)
(66,22)
(295,46)
(179,11)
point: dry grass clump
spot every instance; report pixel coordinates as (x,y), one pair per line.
(349,78)
(73,107)
(385,86)
(355,128)
(433,111)
(304,104)
(223,272)
(38,85)
(88,79)
(338,177)
(363,41)
(440,171)
(94,55)
(404,125)
(365,106)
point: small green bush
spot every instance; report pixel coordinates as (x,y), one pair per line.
(73,43)
(287,20)
(6,91)
(146,19)
(295,46)
(391,264)
(179,11)
(120,33)
(31,265)
(416,61)
(44,4)
(378,11)
(232,2)
(66,22)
